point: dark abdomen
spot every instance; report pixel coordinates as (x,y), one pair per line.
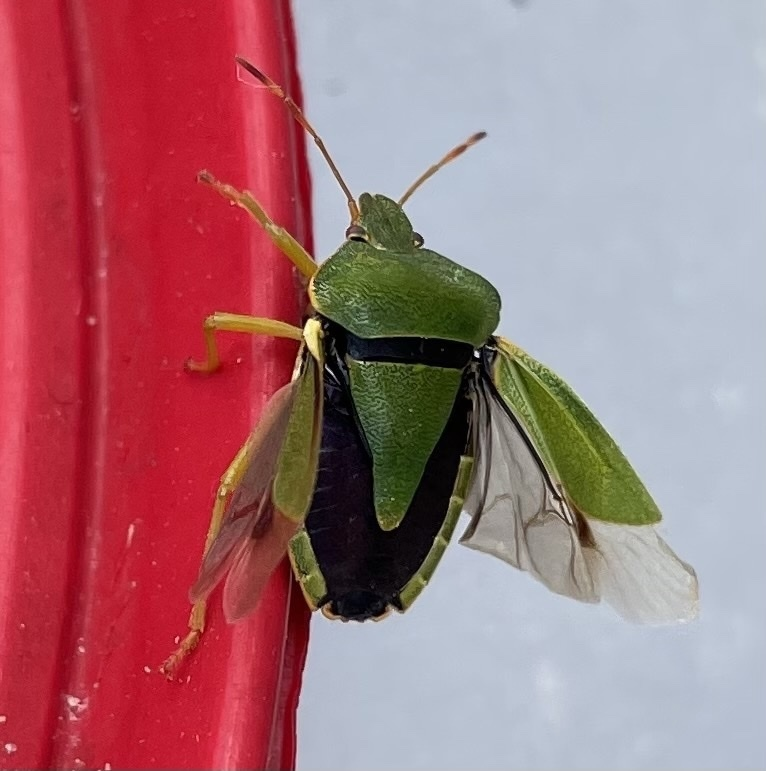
(365,567)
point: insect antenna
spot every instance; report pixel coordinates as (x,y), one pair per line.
(450,156)
(301,118)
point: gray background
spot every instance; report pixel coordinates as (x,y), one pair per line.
(618,205)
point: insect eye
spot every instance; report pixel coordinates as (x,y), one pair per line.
(356,233)
(418,240)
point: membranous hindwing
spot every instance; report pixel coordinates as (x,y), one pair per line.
(266,494)
(524,502)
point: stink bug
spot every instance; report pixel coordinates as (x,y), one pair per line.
(405,409)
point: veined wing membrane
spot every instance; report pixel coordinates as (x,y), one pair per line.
(516,514)
(640,576)
(521,514)
(254,534)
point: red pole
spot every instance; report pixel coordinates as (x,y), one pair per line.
(111,257)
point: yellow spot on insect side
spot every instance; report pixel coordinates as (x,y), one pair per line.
(312,334)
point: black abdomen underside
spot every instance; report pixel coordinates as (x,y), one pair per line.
(365,567)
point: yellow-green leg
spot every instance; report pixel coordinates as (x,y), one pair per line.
(233,322)
(223,322)
(280,237)
(229,481)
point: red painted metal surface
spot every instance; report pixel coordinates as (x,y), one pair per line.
(111,256)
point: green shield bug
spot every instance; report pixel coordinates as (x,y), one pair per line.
(405,409)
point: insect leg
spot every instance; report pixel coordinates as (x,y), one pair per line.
(233,322)
(229,481)
(281,238)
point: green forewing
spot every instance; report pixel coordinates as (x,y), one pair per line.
(295,477)
(520,515)
(403,409)
(575,447)
(379,293)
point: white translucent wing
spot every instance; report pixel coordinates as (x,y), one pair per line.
(519,516)
(639,575)
(516,514)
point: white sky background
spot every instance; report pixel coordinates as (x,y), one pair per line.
(619,205)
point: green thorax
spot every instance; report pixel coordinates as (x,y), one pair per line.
(390,287)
